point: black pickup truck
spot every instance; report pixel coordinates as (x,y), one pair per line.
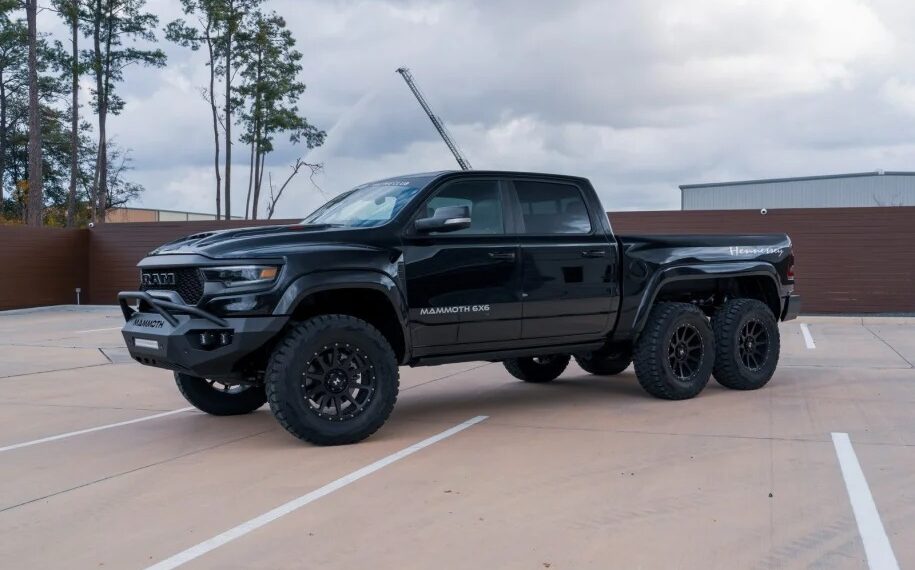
(425,269)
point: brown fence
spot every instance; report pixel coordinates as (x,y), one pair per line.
(849,260)
(42,266)
(115,250)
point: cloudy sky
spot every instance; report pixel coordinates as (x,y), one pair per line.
(638,95)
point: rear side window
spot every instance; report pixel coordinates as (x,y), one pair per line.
(551,208)
(483,199)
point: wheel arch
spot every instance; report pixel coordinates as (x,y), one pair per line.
(753,280)
(368,295)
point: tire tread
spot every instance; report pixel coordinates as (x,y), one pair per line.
(283,357)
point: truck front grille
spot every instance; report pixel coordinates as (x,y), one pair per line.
(186,281)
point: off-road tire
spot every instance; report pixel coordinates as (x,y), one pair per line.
(288,365)
(601,363)
(537,369)
(652,358)
(731,370)
(204,396)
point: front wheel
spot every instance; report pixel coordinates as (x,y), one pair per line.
(332,380)
(219,399)
(537,369)
(675,353)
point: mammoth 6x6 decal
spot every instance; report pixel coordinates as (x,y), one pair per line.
(453,310)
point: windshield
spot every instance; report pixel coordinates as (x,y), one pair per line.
(369,205)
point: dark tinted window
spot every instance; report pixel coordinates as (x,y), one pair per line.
(550,208)
(483,199)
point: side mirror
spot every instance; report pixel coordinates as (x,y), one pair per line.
(446,219)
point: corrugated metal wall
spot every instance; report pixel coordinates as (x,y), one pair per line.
(890,189)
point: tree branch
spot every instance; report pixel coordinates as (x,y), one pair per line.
(299,164)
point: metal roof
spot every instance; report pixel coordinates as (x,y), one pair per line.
(798,179)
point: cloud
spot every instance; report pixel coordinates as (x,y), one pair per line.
(638,96)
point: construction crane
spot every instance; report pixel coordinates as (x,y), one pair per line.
(436,122)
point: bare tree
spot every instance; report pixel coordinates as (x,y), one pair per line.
(36,191)
(205,33)
(299,164)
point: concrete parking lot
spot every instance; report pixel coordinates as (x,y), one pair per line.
(586,472)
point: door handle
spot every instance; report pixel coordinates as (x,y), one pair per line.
(502,255)
(593,253)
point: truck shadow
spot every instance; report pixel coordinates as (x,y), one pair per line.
(570,394)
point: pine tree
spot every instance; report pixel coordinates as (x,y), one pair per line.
(110,24)
(270,91)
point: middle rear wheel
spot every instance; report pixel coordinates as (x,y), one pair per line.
(537,369)
(675,353)
(602,363)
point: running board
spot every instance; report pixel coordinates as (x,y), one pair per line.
(498,355)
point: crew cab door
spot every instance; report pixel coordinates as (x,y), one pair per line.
(463,286)
(569,263)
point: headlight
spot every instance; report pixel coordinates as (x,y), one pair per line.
(241,275)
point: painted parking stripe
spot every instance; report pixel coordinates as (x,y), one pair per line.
(808,338)
(295,504)
(100,330)
(91,430)
(876,543)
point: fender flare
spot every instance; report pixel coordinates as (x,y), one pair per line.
(699,272)
(329,280)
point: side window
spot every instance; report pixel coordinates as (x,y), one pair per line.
(483,199)
(552,208)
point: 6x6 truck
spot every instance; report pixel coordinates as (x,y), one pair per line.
(315,318)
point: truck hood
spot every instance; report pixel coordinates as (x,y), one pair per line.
(258,241)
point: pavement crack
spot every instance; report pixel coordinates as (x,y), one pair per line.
(447,376)
(129,471)
(890,346)
(56,370)
(108,358)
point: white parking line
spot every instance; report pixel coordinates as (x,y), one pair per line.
(295,504)
(90,430)
(808,338)
(100,330)
(876,544)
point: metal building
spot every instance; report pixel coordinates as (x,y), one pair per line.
(864,189)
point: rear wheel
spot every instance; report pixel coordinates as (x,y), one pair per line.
(748,344)
(675,353)
(332,380)
(537,369)
(220,399)
(603,363)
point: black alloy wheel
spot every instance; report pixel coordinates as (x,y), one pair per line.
(675,352)
(218,398)
(684,352)
(332,380)
(537,369)
(338,382)
(753,345)
(747,344)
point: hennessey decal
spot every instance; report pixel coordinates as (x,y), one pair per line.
(739,250)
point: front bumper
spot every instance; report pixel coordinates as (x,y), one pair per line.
(792,307)
(171,336)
